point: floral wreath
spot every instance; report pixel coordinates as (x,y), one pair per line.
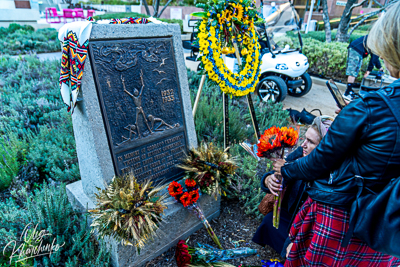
(226,24)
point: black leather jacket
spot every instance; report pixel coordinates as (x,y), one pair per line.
(363,140)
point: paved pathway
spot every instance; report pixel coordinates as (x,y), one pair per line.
(319,97)
(50,56)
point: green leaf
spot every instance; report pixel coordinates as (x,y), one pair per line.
(259,20)
(199,14)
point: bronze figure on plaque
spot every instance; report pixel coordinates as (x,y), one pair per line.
(153,123)
(137,99)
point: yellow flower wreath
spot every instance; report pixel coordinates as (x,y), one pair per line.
(218,30)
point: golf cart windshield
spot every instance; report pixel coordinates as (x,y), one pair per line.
(282,29)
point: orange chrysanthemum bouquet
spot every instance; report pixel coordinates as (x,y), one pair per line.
(189,199)
(272,145)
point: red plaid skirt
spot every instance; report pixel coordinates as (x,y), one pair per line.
(317,232)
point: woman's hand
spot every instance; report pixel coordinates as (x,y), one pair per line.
(273,184)
(278,163)
(288,249)
(339,109)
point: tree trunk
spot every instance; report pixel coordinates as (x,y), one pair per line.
(325,17)
(344,24)
(162,10)
(146,7)
(156,7)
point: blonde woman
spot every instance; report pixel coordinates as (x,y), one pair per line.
(363,140)
(295,192)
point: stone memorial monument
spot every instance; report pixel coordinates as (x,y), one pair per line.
(135,115)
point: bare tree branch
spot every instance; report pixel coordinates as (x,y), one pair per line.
(367,14)
(379,4)
(162,10)
(371,14)
(362,2)
(154,7)
(354,6)
(341,35)
(157,8)
(146,7)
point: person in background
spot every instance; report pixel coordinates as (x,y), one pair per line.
(357,51)
(362,141)
(295,194)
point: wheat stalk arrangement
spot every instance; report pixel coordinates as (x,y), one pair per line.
(210,167)
(129,211)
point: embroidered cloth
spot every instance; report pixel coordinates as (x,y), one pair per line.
(75,41)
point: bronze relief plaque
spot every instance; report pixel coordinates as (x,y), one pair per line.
(139,92)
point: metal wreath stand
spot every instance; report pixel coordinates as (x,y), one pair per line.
(225,104)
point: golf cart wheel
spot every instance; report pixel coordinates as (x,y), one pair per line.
(272,88)
(304,88)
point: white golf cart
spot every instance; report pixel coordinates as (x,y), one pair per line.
(284,67)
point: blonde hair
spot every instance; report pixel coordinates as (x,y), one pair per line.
(384,37)
(315,128)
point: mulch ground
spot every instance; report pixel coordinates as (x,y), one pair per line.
(234,229)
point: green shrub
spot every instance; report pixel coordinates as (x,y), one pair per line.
(365,27)
(270,114)
(13,220)
(320,35)
(32,108)
(53,152)
(209,115)
(13,27)
(329,59)
(11,150)
(134,14)
(209,120)
(17,39)
(50,210)
(246,183)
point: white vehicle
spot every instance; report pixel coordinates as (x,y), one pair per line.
(284,67)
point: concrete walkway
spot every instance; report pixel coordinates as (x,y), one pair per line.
(50,56)
(44,56)
(319,97)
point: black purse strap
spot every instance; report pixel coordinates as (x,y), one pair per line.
(360,179)
(316,109)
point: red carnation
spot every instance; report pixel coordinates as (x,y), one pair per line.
(190,182)
(182,256)
(175,189)
(194,195)
(186,199)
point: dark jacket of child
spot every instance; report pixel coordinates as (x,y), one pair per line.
(360,45)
